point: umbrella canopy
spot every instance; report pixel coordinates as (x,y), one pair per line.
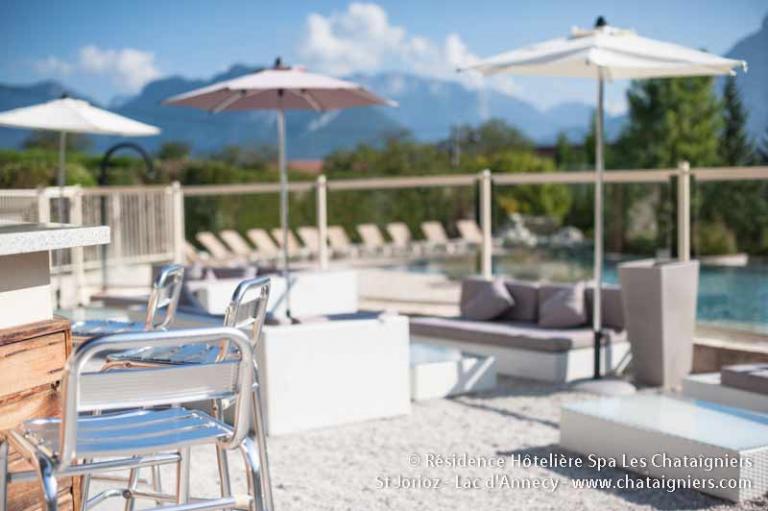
(71,115)
(601,53)
(607,52)
(280,88)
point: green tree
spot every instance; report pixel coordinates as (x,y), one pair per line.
(50,140)
(174,150)
(735,146)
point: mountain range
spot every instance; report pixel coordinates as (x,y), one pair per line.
(428,108)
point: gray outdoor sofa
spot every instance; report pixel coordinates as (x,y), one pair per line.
(534,335)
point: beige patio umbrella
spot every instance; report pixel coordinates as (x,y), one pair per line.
(280,88)
(69,115)
(605,53)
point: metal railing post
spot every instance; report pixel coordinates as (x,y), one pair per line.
(486,248)
(684,211)
(43,206)
(177,229)
(78,270)
(322,221)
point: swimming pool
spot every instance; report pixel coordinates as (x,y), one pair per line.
(734,297)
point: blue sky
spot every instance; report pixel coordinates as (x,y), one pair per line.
(111,48)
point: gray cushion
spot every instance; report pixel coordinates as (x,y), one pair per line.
(562,306)
(527,336)
(484,299)
(526,297)
(611,306)
(749,377)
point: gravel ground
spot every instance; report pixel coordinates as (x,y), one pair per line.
(344,468)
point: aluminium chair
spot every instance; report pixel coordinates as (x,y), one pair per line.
(161,308)
(246,311)
(133,418)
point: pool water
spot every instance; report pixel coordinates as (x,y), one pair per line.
(735,297)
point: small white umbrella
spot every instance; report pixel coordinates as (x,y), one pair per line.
(605,53)
(280,88)
(69,115)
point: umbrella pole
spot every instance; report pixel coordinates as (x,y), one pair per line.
(61,182)
(598,249)
(284,205)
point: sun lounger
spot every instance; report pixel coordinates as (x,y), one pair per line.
(470,231)
(373,239)
(215,247)
(264,244)
(238,245)
(195,256)
(295,249)
(436,239)
(402,241)
(310,236)
(340,243)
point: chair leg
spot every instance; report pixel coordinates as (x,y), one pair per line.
(85,486)
(157,482)
(3,474)
(48,483)
(261,440)
(251,458)
(133,480)
(182,476)
(221,455)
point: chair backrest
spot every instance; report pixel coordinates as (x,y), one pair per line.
(164,298)
(310,236)
(371,235)
(213,245)
(470,231)
(434,232)
(400,234)
(86,390)
(236,242)
(293,244)
(248,307)
(264,244)
(190,252)
(337,238)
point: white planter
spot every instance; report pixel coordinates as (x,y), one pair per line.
(314,293)
(329,373)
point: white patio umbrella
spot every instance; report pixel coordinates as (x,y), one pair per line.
(69,115)
(280,88)
(605,53)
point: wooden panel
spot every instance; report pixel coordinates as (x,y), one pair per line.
(24,365)
(32,359)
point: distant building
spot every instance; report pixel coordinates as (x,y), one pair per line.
(306,166)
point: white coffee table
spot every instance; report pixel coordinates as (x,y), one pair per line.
(438,372)
(645,426)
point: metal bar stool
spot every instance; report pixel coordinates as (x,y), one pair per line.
(135,418)
(246,311)
(161,308)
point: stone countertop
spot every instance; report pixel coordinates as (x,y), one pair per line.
(23,238)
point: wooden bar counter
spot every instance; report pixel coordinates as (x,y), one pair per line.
(32,359)
(34,345)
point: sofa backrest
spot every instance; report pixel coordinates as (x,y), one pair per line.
(527,298)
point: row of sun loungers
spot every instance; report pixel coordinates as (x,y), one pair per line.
(231,247)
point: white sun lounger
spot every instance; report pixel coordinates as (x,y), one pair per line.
(218,250)
(239,246)
(402,241)
(295,249)
(264,244)
(373,239)
(340,243)
(310,236)
(470,231)
(436,239)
